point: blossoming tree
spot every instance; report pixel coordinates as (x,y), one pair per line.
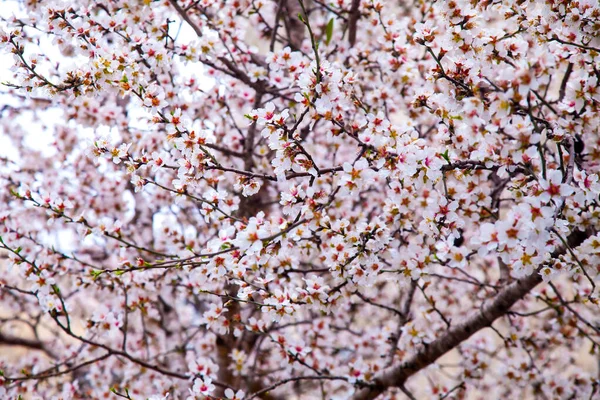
(275,199)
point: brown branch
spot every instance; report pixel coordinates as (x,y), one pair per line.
(371,302)
(397,375)
(125,354)
(572,310)
(581,46)
(293,26)
(407,393)
(49,373)
(6,340)
(248,207)
(352,21)
(563,84)
(265,391)
(276,25)
(431,302)
(404,314)
(504,271)
(184,15)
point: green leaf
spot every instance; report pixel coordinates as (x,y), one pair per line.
(329,31)
(301,18)
(445,156)
(119,272)
(96,273)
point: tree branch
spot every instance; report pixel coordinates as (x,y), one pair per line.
(397,375)
(184,15)
(6,340)
(563,84)
(352,22)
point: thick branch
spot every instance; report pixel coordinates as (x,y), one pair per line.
(17,341)
(397,375)
(563,84)
(293,26)
(352,22)
(402,321)
(6,340)
(184,15)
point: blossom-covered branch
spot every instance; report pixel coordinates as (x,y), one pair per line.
(299,198)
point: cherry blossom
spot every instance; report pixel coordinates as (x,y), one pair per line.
(350,199)
(203,386)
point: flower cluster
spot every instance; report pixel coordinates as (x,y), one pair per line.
(245,199)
